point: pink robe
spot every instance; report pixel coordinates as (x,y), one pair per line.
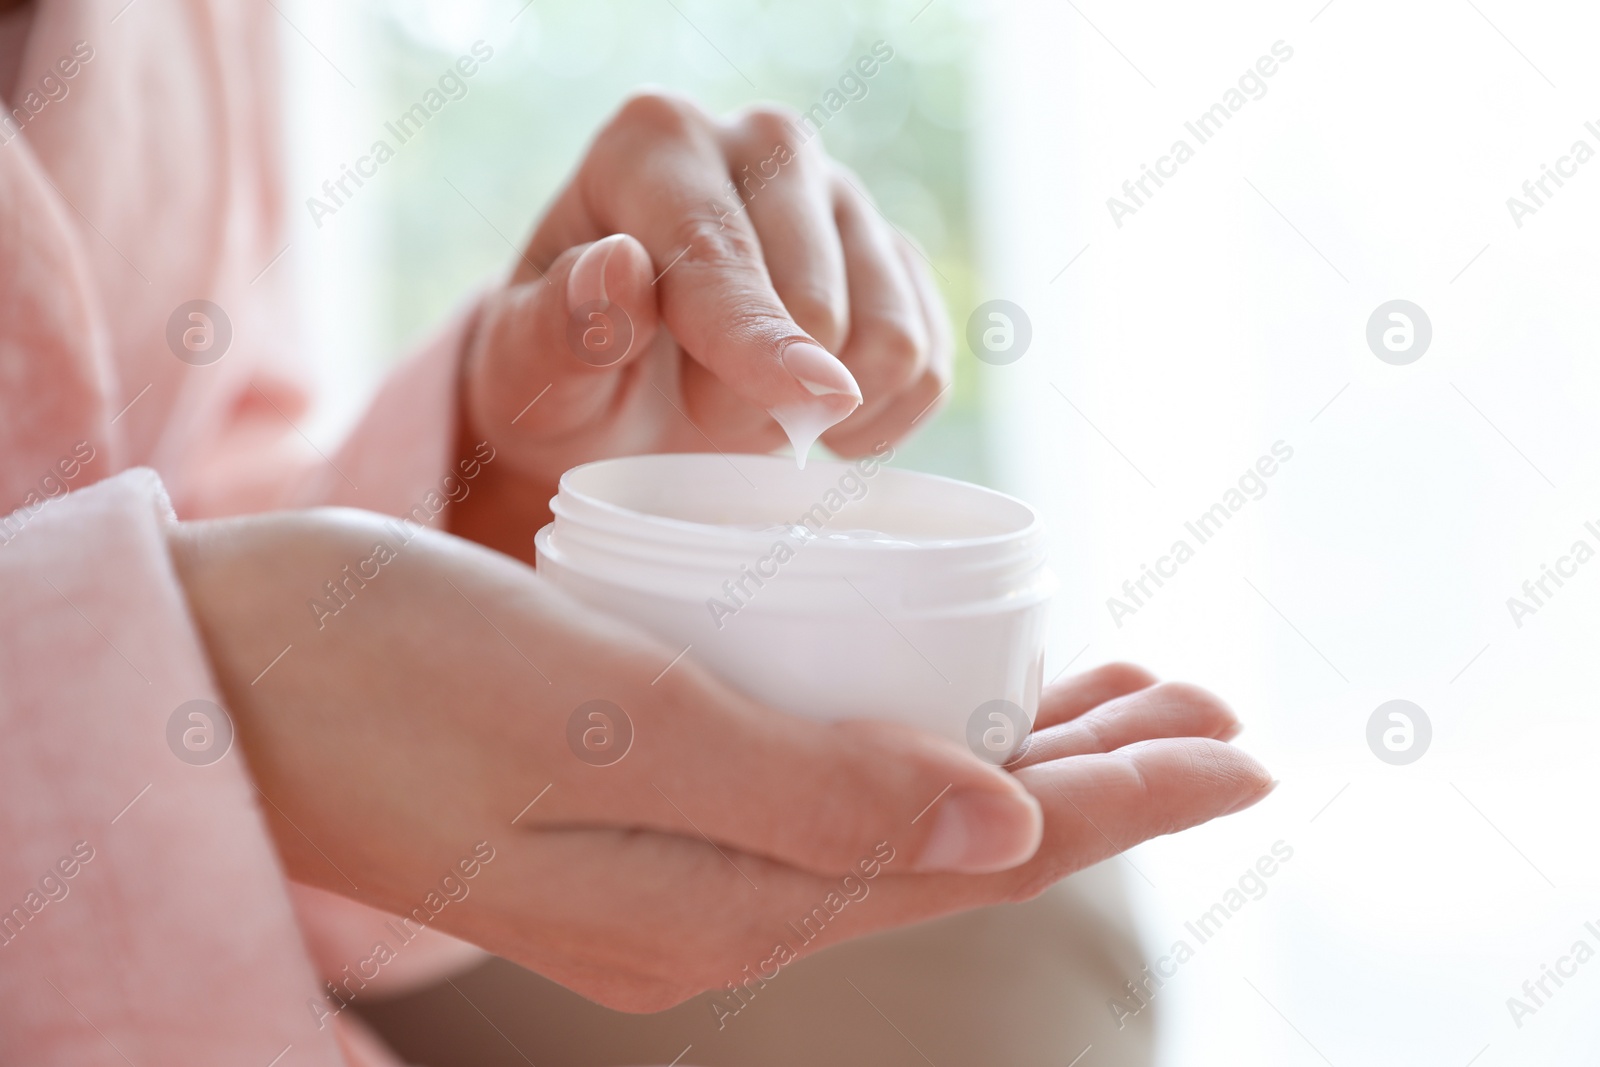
(146,178)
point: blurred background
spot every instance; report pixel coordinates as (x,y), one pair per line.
(455,206)
(1171,346)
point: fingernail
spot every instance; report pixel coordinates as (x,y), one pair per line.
(586,282)
(980,832)
(819,371)
(1231,732)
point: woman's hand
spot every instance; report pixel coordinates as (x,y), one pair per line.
(695,281)
(429,720)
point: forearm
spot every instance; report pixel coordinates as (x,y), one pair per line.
(251,585)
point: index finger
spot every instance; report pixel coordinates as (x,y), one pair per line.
(658,172)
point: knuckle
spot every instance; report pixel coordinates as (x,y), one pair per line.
(749,319)
(657,110)
(904,351)
(894,353)
(1093,731)
(752,321)
(772,125)
(820,313)
(845,182)
(930,395)
(712,244)
(722,257)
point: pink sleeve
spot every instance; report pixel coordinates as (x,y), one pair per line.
(393,462)
(406,442)
(143,914)
(398,453)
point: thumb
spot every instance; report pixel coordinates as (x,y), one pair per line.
(564,337)
(822,796)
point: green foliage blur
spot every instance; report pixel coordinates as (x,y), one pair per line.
(561,67)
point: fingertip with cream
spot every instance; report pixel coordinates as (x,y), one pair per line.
(834,395)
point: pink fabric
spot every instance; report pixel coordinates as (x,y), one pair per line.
(152,180)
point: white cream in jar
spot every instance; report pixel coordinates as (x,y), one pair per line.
(844,590)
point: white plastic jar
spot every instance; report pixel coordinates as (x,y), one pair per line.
(846,590)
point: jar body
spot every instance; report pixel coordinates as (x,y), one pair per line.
(903,597)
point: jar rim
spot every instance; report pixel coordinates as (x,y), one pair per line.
(584,489)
